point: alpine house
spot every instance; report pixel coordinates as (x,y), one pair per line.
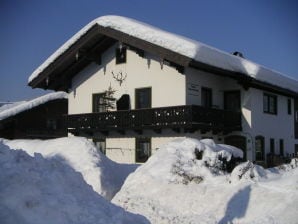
(133,87)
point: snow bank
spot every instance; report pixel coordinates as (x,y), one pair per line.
(184,46)
(105,176)
(173,186)
(16,108)
(43,191)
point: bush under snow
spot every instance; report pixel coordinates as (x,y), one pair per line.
(43,191)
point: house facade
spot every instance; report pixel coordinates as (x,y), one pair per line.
(130,92)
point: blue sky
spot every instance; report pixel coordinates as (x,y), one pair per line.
(265,31)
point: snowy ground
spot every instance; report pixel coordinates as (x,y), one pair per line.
(175,187)
(36,190)
(105,176)
(181,183)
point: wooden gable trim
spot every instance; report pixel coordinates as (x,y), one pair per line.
(145,45)
(244,80)
(60,72)
(68,55)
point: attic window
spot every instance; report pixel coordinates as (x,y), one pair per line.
(120,55)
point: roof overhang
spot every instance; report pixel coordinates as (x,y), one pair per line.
(92,44)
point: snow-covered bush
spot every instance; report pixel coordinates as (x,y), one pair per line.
(288,166)
(248,171)
(165,188)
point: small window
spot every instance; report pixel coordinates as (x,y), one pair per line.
(289,106)
(99,102)
(120,55)
(232,100)
(143,149)
(269,104)
(206,97)
(281,147)
(100,145)
(143,98)
(51,124)
(260,148)
(272,145)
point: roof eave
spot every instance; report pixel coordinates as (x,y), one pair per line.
(97,31)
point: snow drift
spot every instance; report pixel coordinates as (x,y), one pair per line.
(38,190)
(184,183)
(105,176)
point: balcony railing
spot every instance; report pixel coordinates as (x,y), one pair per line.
(188,117)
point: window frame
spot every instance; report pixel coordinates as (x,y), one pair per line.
(281,147)
(137,105)
(262,149)
(228,94)
(210,99)
(267,105)
(96,107)
(121,55)
(272,145)
(139,141)
(289,106)
(95,140)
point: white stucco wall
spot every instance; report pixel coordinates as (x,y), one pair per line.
(280,126)
(196,79)
(168,85)
(171,88)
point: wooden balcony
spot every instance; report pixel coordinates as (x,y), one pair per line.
(189,118)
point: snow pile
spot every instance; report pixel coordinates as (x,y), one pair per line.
(184,183)
(181,45)
(248,171)
(43,191)
(105,176)
(16,108)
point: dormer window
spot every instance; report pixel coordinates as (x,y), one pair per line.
(120,55)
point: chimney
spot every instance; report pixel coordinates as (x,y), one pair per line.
(239,54)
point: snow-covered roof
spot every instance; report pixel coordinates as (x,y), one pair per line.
(181,45)
(19,107)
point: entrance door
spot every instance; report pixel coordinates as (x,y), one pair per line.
(237,141)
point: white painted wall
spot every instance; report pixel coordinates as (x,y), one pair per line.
(168,85)
(217,83)
(170,88)
(280,126)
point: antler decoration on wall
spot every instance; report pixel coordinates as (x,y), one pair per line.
(119,77)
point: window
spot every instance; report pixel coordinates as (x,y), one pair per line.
(120,55)
(270,104)
(232,101)
(99,103)
(272,145)
(100,145)
(143,149)
(51,124)
(260,146)
(289,106)
(206,97)
(143,98)
(281,147)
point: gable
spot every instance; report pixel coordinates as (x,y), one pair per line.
(89,43)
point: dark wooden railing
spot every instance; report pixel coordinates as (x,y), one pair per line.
(189,117)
